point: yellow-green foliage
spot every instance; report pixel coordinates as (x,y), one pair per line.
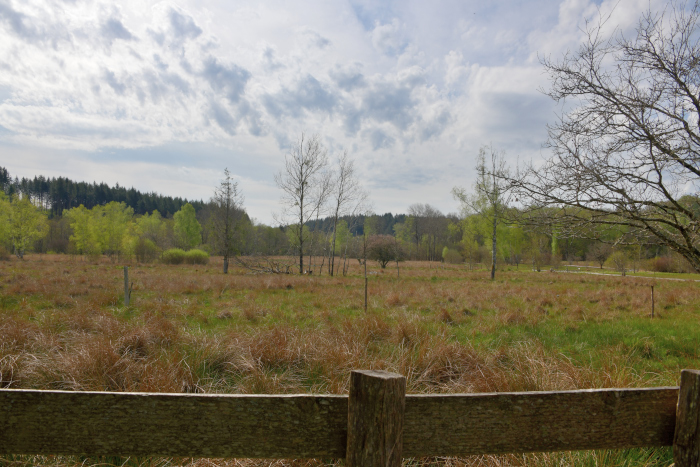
(451,256)
(196,257)
(25,223)
(173,256)
(111,223)
(186,228)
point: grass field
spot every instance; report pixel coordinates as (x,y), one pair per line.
(63,325)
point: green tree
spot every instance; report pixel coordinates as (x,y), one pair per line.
(27,224)
(111,223)
(342,236)
(5,213)
(187,230)
(490,198)
(84,235)
(151,227)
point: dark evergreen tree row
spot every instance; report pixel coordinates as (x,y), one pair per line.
(58,194)
(383,224)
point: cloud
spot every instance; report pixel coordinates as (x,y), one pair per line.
(222,117)
(29,28)
(389,38)
(407,85)
(228,79)
(380,140)
(183,25)
(271,63)
(307,94)
(436,126)
(386,102)
(111,79)
(18,22)
(315,39)
(113,29)
(348,79)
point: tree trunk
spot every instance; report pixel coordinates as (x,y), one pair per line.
(331,259)
(365,255)
(301,255)
(493,246)
(225,264)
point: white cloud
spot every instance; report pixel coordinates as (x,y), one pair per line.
(411,89)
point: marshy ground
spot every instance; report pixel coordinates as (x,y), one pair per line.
(63,325)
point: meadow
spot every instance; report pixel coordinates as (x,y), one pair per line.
(190,328)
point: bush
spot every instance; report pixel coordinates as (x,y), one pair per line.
(145,251)
(383,248)
(451,256)
(4,254)
(173,256)
(619,261)
(196,257)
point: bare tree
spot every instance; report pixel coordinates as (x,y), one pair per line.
(226,216)
(348,198)
(491,193)
(302,196)
(627,154)
(323,190)
(426,221)
(599,252)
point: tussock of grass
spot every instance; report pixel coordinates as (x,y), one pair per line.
(191,329)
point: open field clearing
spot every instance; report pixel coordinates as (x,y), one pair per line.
(63,325)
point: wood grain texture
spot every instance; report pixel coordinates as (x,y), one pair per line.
(375,419)
(100,423)
(194,425)
(686,442)
(465,424)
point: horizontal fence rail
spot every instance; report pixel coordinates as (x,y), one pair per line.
(317,426)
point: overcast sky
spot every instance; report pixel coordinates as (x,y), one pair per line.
(164,95)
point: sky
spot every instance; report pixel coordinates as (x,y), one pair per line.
(164,95)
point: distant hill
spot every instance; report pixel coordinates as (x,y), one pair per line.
(385,223)
(58,194)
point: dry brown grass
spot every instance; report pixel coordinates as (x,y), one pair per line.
(192,329)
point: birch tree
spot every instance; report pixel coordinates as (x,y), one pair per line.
(348,198)
(491,194)
(302,196)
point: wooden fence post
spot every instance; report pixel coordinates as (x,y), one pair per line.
(686,440)
(375,419)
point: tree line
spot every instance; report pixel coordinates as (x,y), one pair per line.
(620,184)
(57,194)
(424,233)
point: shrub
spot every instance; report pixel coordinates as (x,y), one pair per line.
(4,254)
(145,251)
(173,256)
(196,257)
(383,248)
(619,261)
(451,256)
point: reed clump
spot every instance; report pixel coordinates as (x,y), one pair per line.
(192,329)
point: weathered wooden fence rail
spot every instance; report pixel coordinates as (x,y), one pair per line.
(377,424)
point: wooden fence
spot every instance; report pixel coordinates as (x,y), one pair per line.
(377,424)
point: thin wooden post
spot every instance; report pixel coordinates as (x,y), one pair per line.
(652,301)
(686,440)
(375,419)
(126,286)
